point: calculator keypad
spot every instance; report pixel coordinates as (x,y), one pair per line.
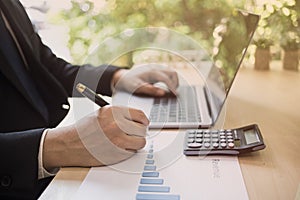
(203,142)
(206,139)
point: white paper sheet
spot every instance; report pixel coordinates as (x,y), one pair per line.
(191,178)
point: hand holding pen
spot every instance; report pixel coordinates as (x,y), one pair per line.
(129,120)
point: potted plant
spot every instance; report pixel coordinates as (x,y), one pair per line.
(262,53)
(290,43)
(264,37)
(288,18)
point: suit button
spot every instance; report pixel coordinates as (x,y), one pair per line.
(65,106)
(5,181)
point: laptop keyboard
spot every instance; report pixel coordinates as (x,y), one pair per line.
(181,108)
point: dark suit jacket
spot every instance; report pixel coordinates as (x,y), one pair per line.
(25,113)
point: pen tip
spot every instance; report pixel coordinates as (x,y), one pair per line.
(80,87)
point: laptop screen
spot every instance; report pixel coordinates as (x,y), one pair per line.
(214,44)
(234,34)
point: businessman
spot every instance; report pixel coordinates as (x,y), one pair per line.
(34,87)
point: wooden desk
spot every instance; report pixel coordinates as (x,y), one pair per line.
(269,98)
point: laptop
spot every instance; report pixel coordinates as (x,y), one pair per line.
(198,105)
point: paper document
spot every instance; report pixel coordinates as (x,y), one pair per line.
(161,171)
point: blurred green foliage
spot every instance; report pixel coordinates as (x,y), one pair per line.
(279,24)
(90,22)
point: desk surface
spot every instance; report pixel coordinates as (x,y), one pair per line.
(268,98)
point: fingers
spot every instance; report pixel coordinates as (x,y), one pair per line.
(165,75)
(118,121)
(135,122)
(173,76)
(137,116)
(151,90)
(134,142)
(170,78)
(110,135)
(141,79)
(128,142)
(162,76)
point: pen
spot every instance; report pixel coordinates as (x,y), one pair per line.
(90,94)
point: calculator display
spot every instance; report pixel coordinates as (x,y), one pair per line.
(251,136)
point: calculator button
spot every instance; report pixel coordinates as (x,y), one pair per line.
(199,140)
(223,145)
(229,134)
(215,140)
(199,135)
(191,131)
(191,135)
(223,141)
(214,135)
(190,140)
(207,135)
(207,145)
(230,145)
(199,131)
(194,145)
(215,145)
(230,140)
(229,137)
(222,137)
(207,140)
(222,134)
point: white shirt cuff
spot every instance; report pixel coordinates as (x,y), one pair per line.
(42,172)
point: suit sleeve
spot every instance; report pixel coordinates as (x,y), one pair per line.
(19,181)
(97,78)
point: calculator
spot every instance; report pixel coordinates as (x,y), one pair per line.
(224,141)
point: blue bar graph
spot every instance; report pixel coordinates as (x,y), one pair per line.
(157,197)
(154,189)
(152,181)
(149,162)
(150,168)
(151,187)
(150,174)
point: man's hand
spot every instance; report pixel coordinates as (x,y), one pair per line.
(107,136)
(141,79)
